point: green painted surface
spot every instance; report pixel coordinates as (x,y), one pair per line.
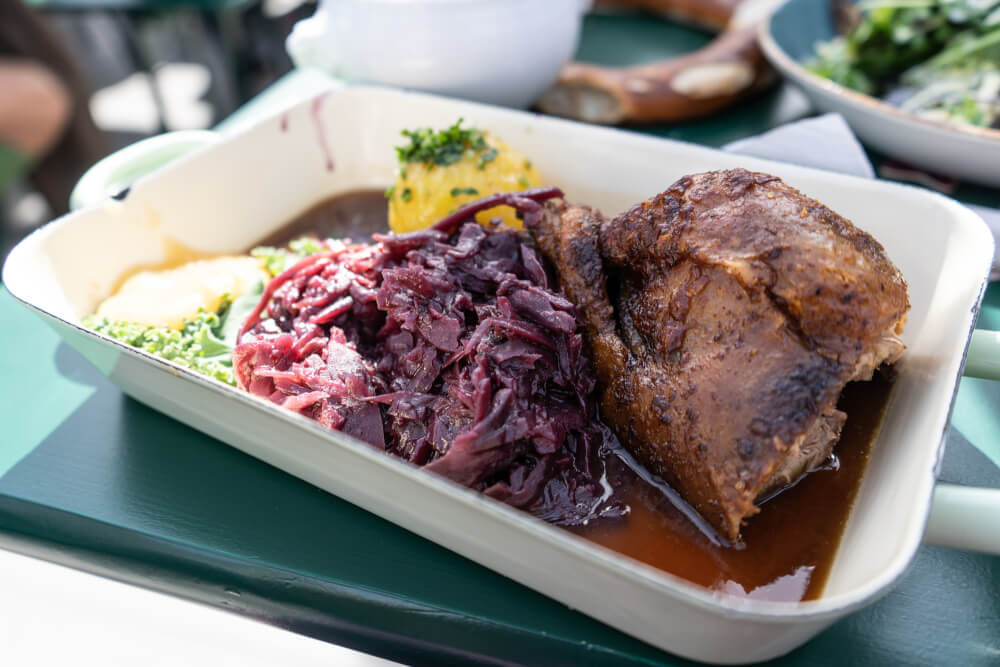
(113,486)
(977,417)
(621,40)
(976,414)
(42,391)
(989,316)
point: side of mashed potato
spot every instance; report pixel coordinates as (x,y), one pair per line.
(167,298)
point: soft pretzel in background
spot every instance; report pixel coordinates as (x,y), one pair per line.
(681,88)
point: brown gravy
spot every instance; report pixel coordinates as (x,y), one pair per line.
(355,215)
(789,546)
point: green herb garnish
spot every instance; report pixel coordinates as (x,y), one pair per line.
(277,260)
(486,156)
(463,191)
(406,195)
(444,147)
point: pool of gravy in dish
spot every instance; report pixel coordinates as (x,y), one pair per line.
(355,215)
(788,547)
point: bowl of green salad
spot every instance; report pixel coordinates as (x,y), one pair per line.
(918,80)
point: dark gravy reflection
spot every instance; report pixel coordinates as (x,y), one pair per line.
(788,547)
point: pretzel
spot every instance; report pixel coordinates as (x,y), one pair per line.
(677,89)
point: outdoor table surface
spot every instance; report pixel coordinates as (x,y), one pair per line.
(94,479)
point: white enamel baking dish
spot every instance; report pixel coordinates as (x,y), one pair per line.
(226,195)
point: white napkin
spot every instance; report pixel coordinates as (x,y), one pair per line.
(833,146)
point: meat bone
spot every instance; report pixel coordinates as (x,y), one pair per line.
(671,90)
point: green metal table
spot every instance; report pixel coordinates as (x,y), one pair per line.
(93,479)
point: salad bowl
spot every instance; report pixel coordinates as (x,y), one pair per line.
(231,192)
(788,38)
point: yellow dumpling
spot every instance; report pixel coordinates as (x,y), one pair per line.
(442,171)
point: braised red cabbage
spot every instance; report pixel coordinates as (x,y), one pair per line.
(447,347)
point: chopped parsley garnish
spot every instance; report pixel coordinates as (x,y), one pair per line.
(445,147)
(486,156)
(463,191)
(389,191)
(406,195)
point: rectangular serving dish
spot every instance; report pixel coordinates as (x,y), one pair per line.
(224,197)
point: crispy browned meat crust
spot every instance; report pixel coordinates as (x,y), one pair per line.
(724,317)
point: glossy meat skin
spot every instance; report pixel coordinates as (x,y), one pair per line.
(724,317)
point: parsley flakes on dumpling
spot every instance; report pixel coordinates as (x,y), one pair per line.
(441,171)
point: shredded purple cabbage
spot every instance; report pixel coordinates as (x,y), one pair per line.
(446,347)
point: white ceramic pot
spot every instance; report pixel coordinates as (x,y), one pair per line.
(504,52)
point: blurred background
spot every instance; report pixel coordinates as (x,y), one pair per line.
(91,76)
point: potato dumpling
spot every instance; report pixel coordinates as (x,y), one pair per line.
(439,172)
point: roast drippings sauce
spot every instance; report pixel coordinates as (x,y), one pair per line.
(355,215)
(788,548)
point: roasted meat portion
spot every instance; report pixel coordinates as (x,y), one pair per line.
(724,317)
